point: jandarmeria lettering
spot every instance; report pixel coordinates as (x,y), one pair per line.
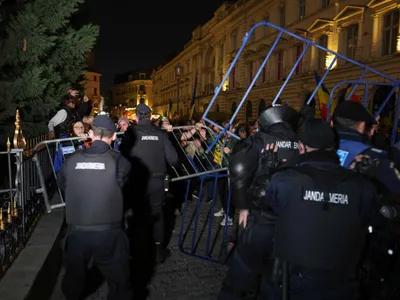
(318,196)
(90,166)
(149,138)
(287,144)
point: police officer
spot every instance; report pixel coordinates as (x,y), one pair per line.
(149,149)
(92,180)
(324,212)
(252,252)
(352,121)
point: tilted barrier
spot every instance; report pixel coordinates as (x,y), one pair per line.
(283,35)
(201,233)
(199,169)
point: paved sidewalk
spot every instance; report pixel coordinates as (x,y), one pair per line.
(182,276)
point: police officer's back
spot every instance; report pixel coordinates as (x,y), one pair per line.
(149,150)
(253,249)
(276,126)
(92,180)
(352,121)
(324,212)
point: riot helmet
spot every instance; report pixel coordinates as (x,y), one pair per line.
(278,113)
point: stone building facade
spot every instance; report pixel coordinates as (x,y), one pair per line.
(366,31)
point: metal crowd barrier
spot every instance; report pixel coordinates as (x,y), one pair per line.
(197,167)
(200,232)
(20,205)
(282,35)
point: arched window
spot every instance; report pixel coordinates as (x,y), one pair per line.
(233,107)
(249,111)
(261,106)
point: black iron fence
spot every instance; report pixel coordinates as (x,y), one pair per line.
(21,203)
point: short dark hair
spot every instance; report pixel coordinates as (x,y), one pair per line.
(101,132)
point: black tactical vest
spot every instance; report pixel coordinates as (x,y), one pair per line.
(65,127)
(321,227)
(149,149)
(93,196)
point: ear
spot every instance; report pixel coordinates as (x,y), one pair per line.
(302,148)
(331,122)
(114,137)
(90,133)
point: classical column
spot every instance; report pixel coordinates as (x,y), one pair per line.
(359,49)
(375,36)
(312,59)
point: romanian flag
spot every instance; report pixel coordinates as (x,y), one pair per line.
(192,103)
(169,108)
(323,97)
(353,97)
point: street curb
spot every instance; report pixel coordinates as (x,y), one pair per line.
(34,273)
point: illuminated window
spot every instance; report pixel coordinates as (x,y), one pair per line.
(323,41)
(302,9)
(233,78)
(390,31)
(351,41)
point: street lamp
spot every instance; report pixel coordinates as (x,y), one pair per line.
(178,73)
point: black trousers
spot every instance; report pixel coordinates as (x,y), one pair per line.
(110,252)
(249,262)
(157,202)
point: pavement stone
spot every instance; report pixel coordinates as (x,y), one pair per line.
(182,277)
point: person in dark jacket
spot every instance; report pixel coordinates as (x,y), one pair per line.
(324,212)
(254,247)
(149,149)
(352,122)
(93,179)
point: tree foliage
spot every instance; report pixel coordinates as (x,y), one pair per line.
(41,56)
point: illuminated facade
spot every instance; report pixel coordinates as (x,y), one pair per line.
(366,31)
(92,89)
(130,88)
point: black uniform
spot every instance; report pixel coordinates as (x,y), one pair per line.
(149,149)
(253,250)
(92,180)
(324,212)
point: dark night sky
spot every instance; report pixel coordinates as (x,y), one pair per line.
(140,34)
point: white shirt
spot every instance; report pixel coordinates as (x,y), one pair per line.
(60,117)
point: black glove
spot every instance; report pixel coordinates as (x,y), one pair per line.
(367,166)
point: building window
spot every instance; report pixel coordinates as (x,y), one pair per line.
(323,41)
(280,65)
(250,70)
(325,3)
(390,32)
(95,91)
(233,78)
(233,40)
(95,78)
(351,41)
(302,9)
(282,16)
(264,73)
(299,50)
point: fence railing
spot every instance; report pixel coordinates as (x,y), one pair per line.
(20,204)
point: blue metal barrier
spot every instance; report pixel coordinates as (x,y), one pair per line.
(280,33)
(200,232)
